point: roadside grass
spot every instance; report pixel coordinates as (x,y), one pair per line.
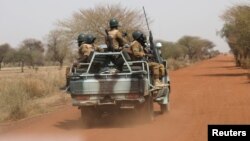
(177,64)
(30,93)
(36,91)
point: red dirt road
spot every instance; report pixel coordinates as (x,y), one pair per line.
(209,92)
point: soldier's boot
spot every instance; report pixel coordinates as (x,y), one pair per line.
(158,83)
(156,86)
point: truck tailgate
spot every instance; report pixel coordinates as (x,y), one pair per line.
(107,86)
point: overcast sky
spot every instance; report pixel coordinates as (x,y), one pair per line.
(20,19)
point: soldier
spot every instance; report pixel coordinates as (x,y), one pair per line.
(138,53)
(85,44)
(86,47)
(115,40)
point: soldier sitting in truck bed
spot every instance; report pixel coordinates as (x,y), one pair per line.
(86,46)
(138,53)
(115,42)
(115,39)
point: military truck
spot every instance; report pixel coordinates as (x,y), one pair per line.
(97,88)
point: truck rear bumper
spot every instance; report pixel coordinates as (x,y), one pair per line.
(113,102)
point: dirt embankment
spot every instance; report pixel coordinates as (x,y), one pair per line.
(209,92)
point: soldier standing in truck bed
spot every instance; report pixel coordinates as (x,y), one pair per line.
(138,53)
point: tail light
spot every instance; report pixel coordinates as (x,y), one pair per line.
(82,97)
(132,96)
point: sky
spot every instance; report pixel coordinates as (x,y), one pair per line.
(172,19)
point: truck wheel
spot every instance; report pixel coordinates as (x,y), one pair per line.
(147,109)
(88,116)
(164,108)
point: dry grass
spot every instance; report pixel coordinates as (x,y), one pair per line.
(177,64)
(30,93)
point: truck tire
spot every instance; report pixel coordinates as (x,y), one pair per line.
(164,108)
(146,109)
(88,116)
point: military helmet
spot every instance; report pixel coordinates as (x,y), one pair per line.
(158,45)
(137,35)
(89,39)
(113,23)
(80,37)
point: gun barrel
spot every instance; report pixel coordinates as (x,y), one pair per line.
(146,18)
(151,41)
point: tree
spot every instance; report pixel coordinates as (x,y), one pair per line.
(173,50)
(197,48)
(33,50)
(236,31)
(57,47)
(10,57)
(95,21)
(214,53)
(22,55)
(190,43)
(19,55)
(4,49)
(205,48)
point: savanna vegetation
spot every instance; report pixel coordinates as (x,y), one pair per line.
(31,92)
(187,50)
(30,87)
(236,31)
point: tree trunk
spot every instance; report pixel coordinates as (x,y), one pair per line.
(22,65)
(61,64)
(237,60)
(238,63)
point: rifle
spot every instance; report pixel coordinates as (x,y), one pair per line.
(152,46)
(109,43)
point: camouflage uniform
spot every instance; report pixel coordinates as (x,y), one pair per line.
(117,39)
(85,50)
(85,43)
(157,69)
